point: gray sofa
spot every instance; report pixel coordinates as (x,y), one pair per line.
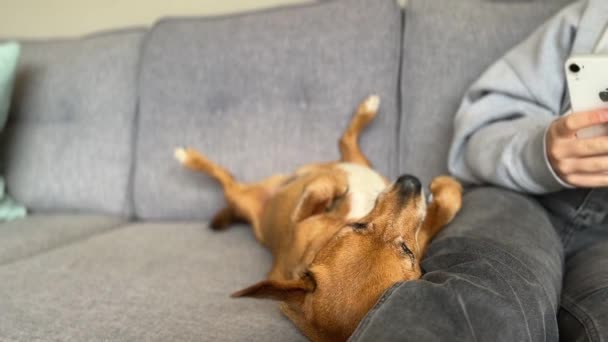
(117,247)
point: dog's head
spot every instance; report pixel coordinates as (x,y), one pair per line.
(355,266)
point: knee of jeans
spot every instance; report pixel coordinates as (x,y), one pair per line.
(515,304)
(530,275)
(506,218)
(460,310)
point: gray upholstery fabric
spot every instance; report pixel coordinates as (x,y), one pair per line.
(261,93)
(69,139)
(447,45)
(41,233)
(143,282)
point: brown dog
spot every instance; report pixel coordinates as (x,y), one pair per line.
(339,233)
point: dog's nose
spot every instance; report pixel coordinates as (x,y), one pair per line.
(408,185)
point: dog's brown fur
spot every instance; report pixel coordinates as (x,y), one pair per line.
(330,268)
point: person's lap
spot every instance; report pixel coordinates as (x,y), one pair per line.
(494,274)
(584,309)
(581,219)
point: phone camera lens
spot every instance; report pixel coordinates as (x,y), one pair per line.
(574,68)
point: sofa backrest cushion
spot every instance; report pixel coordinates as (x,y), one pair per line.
(261,93)
(68,143)
(447,45)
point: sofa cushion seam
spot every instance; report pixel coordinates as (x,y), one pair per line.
(66,243)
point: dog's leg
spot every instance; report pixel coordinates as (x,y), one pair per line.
(349,142)
(197,162)
(224,218)
(245,201)
(447,201)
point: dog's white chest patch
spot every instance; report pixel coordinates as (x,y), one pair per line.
(364,186)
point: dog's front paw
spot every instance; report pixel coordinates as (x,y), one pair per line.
(445,183)
(447,192)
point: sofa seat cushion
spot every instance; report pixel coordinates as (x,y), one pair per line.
(261,93)
(447,45)
(41,233)
(143,282)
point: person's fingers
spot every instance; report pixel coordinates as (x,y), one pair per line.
(580,148)
(588,165)
(587,180)
(568,125)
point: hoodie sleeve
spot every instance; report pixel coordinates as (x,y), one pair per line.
(500,127)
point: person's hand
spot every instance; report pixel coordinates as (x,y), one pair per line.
(579,162)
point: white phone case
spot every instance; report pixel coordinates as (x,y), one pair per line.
(588,86)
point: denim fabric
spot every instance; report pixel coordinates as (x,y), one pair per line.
(495,274)
(581,219)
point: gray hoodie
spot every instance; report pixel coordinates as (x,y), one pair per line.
(500,127)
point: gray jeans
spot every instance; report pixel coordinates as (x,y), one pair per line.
(509,268)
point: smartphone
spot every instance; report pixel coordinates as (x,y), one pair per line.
(587,78)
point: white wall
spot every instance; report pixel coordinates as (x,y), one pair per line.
(52,18)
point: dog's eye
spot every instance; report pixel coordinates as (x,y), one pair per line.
(358,225)
(407,252)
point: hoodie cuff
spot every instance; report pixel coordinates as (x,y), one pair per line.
(536,162)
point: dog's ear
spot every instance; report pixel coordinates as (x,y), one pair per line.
(316,198)
(286,290)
